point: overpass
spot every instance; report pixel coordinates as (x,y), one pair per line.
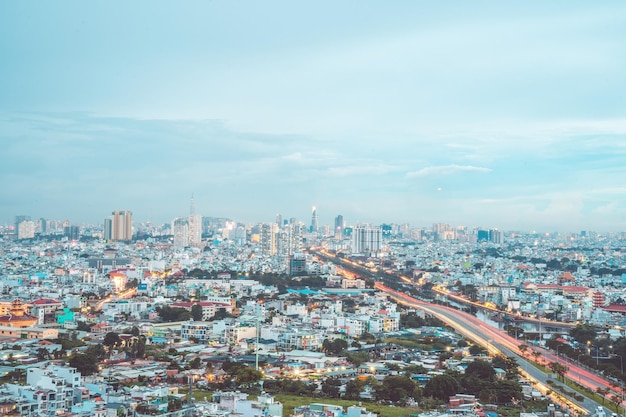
(375,275)
(499,342)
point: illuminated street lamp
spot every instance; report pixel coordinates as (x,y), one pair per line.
(597,350)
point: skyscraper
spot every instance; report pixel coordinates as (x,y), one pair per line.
(366,239)
(121,225)
(180,230)
(338,227)
(20,219)
(314,226)
(108,229)
(26,229)
(43,226)
(195,225)
(269,235)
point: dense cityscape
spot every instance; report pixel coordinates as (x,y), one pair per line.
(319,208)
(200,316)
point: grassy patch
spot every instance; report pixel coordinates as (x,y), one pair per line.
(291,401)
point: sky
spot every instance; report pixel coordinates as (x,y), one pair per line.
(492,114)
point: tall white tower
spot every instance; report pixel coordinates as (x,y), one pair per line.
(195,225)
(314,225)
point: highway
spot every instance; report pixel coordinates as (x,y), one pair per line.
(495,340)
(498,342)
(352,269)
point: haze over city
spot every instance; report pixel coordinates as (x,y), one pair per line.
(498,115)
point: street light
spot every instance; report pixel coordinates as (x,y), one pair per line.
(597,350)
(621,362)
(621,359)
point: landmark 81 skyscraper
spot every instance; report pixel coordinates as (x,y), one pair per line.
(314,225)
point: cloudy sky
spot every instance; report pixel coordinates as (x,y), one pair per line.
(492,114)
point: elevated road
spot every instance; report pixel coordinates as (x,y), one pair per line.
(499,342)
(355,268)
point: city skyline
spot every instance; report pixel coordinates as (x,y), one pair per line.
(483,114)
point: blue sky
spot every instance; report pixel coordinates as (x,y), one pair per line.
(491,114)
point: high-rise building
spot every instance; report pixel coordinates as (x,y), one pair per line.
(121,225)
(491,235)
(108,229)
(195,225)
(297,264)
(366,239)
(71,232)
(20,219)
(180,230)
(44,225)
(269,235)
(26,229)
(339,225)
(314,225)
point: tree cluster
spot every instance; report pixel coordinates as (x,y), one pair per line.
(288,386)
(479,379)
(170,314)
(335,347)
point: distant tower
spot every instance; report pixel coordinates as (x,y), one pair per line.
(121,225)
(366,239)
(195,224)
(314,226)
(108,229)
(269,234)
(180,230)
(338,227)
(20,219)
(26,229)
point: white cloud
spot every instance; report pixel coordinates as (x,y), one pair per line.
(445,170)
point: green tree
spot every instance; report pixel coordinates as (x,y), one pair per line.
(481,370)
(583,333)
(43,354)
(411,321)
(220,314)
(97,351)
(507,390)
(170,314)
(441,387)
(330,387)
(335,346)
(536,354)
(523,349)
(196,312)
(476,350)
(397,389)
(602,392)
(366,338)
(85,364)
(195,363)
(354,387)
(558,369)
(111,339)
(357,358)
(247,376)
(508,364)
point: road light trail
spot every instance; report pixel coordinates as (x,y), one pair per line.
(495,340)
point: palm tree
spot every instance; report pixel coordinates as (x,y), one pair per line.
(617,400)
(536,355)
(558,369)
(602,392)
(523,348)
